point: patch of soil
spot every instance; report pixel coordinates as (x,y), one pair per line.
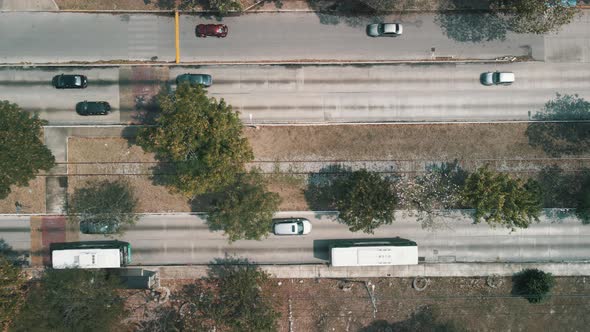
(466,303)
(116,152)
(402,142)
(31,199)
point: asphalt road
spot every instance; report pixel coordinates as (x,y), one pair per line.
(319,94)
(63,37)
(186,240)
(168,240)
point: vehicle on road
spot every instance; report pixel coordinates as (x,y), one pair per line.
(213,30)
(90,254)
(195,79)
(88,227)
(64,81)
(497,78)
(291,226)
(373,252)
(93,108)
(384,29)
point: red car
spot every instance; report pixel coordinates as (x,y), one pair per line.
(216,30)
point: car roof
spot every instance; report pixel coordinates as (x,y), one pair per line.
(390,27)
(286,227)
(506,77)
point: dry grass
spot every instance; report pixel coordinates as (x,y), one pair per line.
(31,197)
(402,142)
(289,143)
(152,198)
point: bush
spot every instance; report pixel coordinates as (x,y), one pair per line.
(533,284)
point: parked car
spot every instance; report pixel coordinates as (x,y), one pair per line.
(64,81)
(384,29)
(197,79)
(93,108)
(497,78)
(88,227)
(213,30)
(291,226)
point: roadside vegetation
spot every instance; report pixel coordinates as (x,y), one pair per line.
(72,300)
(244,210)
(533,284)
(12,286)
(23,153)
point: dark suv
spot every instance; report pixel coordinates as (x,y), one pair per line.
(195,79)
(70,81)
(93,108)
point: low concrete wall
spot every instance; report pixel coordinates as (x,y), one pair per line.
(426,270)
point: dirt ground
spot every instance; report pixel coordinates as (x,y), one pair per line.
(126,4)
(468,304)
(401,142)
(426,5)
(31,198)
(312,143)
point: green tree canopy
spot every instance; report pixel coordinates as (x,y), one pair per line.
(583,206)
(72,300)
(23,153)
(12,281)
(536,16)
(201,137)
(245,209)
(231,299)
(103,205)
(365,200)
(533,284)
(501,200)
(562,138)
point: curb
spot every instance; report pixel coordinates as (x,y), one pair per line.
(303,62)
(259,11)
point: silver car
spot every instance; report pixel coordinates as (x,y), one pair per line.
(497,78)
(384,29)
(291,226)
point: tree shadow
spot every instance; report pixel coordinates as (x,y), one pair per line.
(562,138)
(473,27)
(18,258)
(321,192)
(424,319)
(353,13)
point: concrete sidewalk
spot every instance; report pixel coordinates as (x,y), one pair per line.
(28,5)
(422,270)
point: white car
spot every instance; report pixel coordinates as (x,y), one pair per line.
(384,29)
(497,78)
(291,226)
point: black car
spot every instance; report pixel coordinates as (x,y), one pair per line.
(93,108)
(64,81)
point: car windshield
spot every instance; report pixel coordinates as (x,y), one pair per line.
(299,228)
(78,80)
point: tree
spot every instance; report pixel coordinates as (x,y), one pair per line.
(12,282)
(201,137)
(365,200)
(533,284)
(562,138)
(499,199)
(583,206)
(221,6)
(72,300)
(245,209)
(231,298)
(429,196)
(103,205)
(379,5)
(23,153)
(536,16)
